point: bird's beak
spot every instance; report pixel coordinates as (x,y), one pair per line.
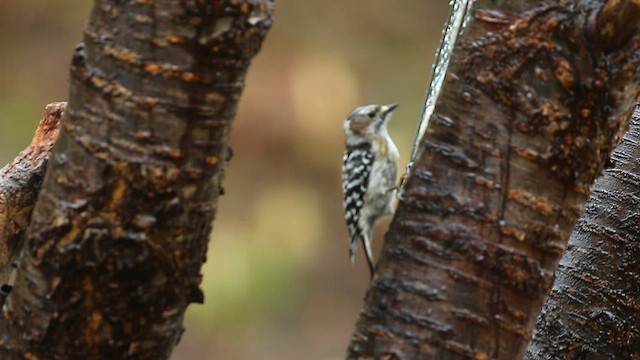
(386,109)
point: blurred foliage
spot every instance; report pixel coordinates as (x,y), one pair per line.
(278,283)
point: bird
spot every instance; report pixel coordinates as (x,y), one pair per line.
(369,171)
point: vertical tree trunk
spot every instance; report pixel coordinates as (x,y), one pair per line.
(119,232)
(592,312)
(530,109)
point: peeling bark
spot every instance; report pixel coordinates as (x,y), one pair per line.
(526,120)
(119,233)
(592,312)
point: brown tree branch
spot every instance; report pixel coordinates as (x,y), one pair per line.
(525,121)
(592,312)
(119,233)
(19,185)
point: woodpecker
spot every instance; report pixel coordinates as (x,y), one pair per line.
(369,171)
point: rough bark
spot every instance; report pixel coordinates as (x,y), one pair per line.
(113,253)
(592,311)
(527,117)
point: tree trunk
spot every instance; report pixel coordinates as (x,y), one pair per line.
(592,312)
(533,101)
(117,238)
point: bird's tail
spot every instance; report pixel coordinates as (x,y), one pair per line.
(366,242)
(353,247)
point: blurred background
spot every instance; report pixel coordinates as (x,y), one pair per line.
(278,283)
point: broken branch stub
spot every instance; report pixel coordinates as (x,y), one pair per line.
(19,185)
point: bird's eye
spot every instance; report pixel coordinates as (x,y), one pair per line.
(371,114)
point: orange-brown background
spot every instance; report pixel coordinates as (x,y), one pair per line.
(278,283)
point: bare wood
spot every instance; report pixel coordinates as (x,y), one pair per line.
(616,22)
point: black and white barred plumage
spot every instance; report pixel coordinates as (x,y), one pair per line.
(356,168)
(369,170)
